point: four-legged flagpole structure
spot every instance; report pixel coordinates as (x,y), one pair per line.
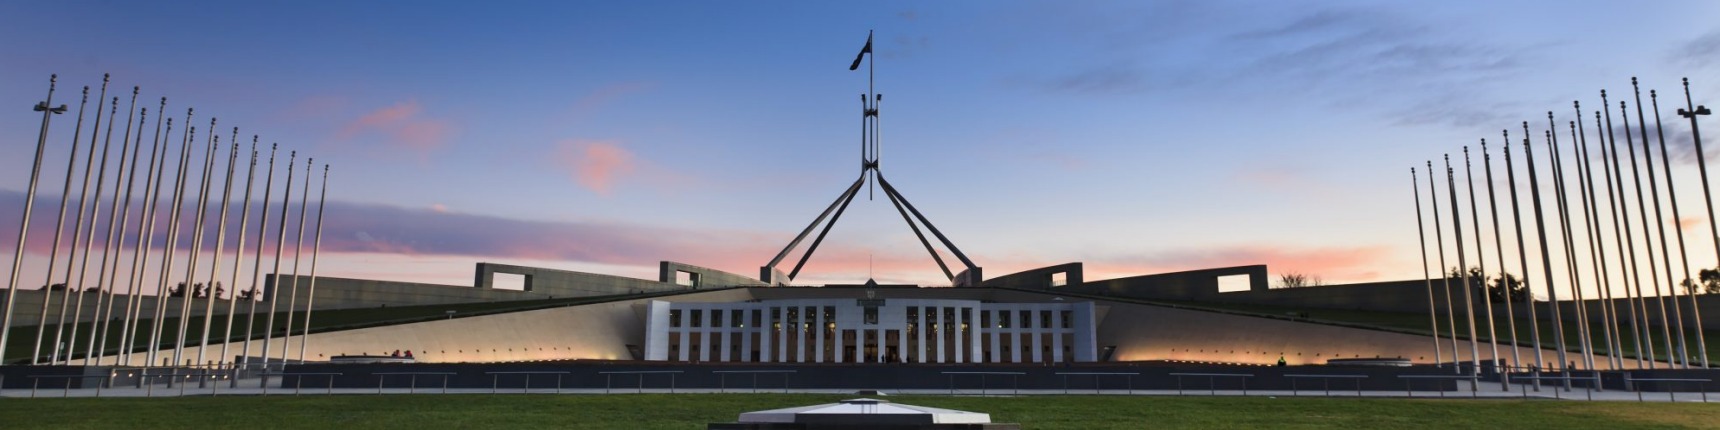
(869,150)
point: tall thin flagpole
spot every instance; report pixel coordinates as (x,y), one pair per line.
(48,111)
(1660,224)
(316,248)
(1522,251)
(257,263)
(110,244)
(1691,112)
(1421,232)
(146,227)
(1648,247)
(1641,301)
(239,252)
(1439,241)
(1622,238)
(119,244)
(71,341)
(1684,253)
(275,275)
(1701,339)
(1546,253)
(1499,249)
(1463,265)
(170,250)
(1591,229)
(1481,259)
(220,245)
(197,227)
(298,248)
(59,229)
(77,227)
(1569,246)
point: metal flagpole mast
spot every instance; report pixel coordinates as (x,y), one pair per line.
(298,248)
(178,203)
(1421,232)
(110,245)
(257,262)
(1481,259)
(119,252)
(48,112)
(204,186)
(1692,112)
(1660,227)
(59,229)
(71,341)
(1642,209)
(146,226)
(275,275)
(1622,238)
(1546,253)
(1583,337)
(316,248)
(1683,252)
(239,253)
(1499,249)
(1641,301)
(1462,264)
(1591,229)
(1439,241)
(77,228)
(1522,251)
(220,244)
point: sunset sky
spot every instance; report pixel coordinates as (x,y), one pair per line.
(1138,137)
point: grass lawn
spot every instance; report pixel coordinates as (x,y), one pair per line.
(693,411)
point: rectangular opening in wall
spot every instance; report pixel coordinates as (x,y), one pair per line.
(1233,283)
(686,279)
(1059,279)
(509,281)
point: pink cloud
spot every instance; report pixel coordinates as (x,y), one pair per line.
(1688,223)
(605,95)
(403,125)
(595,164)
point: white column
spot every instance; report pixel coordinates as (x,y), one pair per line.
(1057,335)
(956,329)
(782,335)
(920,328)
(682,354)
(1038,336)
(996,344)
(938,319)
(902,345)
(976,351)
(765,339)
(818,325)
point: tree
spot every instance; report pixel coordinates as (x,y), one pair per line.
(1710,280)
(54,287)
(1298,280)
(177,290)
(1508,286)
(250,294)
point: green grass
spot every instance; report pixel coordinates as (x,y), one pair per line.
(693,411)
(20,343)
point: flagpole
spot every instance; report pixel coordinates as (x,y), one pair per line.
(1622,237)
(178,204)
(239,255)
(1421,233)
(1591,228)
(316,248)
(77,228)
(1499,249)
(98,321)
(1439,241)
(1660,227)
(1481,259)
(1648,247)
(1583,335)
(146,226)
(205,183)
(1463,265)
(59,229)
(1522,255)
(119,253)
(274,281)
(298,248)
(77,310)
(220,246)
(1683,252)
(1546,252)
(257,261)
(1692,112)
(48,112)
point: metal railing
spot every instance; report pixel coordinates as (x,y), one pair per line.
(609,377)
(723,386)
(496,378)
(1015,385)
(412,388)
(1128,377)
(1211,380)
(1327,379)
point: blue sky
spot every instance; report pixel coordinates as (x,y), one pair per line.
(1139,137)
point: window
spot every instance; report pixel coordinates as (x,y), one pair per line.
(1068,317)
(698,318)
(716,318)
(1003,319)
(757,318)
(984,319)
(1026,319)
(735,318)
(1233,283)
(1045,319)
(871,315)
(674,317)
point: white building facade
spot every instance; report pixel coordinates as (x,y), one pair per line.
(870,331)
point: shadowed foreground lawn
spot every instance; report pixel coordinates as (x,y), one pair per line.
(693,411)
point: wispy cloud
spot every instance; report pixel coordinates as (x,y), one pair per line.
(604,96)
(1357,263)
(1699,52)
(595,164)
(402,126)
